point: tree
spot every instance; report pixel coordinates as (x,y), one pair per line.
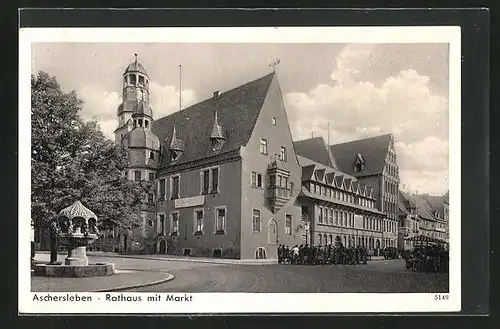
(72,160)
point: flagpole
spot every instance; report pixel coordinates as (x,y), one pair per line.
(180,87)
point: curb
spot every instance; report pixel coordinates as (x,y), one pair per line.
(169,277)
(192,260)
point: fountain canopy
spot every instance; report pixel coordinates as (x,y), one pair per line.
(77,219)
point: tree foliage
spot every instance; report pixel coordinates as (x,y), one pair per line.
(72,160)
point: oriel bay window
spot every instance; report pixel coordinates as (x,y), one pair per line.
(278,190)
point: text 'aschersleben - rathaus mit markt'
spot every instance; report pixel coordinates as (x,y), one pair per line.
(230,181)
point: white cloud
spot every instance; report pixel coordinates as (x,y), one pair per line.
(102,105)
(165,99)
(402,104)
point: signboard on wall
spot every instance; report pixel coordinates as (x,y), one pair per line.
(190,202)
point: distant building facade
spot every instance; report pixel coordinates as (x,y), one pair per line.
(421,215)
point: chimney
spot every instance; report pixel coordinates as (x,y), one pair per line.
(216,94)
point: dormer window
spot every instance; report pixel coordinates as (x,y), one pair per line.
(216,144)
(274,121)
(217,137)
(176,147)
(359,163)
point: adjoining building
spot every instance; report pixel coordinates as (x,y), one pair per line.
(421,215)
(336,205)
(373,162)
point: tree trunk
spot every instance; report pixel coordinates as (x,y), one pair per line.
(53,247)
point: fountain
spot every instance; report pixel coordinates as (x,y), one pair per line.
(76,228)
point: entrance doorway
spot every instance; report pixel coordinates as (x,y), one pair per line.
(163,247)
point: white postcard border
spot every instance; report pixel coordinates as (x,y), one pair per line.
(246,302)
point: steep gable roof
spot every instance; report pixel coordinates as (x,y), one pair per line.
(422,207)
(316,150)
(237,112)
(436,203)
(372,150)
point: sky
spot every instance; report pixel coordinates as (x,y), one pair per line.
(361,90)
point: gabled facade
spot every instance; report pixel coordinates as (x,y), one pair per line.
(373,162)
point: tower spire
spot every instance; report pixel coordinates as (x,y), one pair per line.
(135,55)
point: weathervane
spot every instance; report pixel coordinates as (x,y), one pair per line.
(274,64)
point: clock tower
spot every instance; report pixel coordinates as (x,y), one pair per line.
(135,90)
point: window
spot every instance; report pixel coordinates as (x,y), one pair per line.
(137,176)
(206,181)
(162,223)
(260,253)
(198,222)
(263,146)
(288,224)
(175,223)
(132,79)
(274,121)
(283,154)
(146,123)
(140,122)
(320,240)
(162,189)
(330,217)
(141,79)
(215,180)
(175,188)
(151,176)
(150,223)
(151,198)
(291,188)
(345,218)
(272,180)
(151,154)
(256,180)
(336,217)
(220,220)
(256,221)
(320,213)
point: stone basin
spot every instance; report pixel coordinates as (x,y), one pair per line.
(74,271)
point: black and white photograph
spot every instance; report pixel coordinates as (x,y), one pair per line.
(229,169)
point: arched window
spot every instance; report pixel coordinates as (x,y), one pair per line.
(260,253)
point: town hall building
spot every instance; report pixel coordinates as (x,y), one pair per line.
(228,180)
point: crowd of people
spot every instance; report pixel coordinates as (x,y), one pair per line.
(433,258)
(321,255)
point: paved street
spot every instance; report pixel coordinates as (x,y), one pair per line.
(376,276)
